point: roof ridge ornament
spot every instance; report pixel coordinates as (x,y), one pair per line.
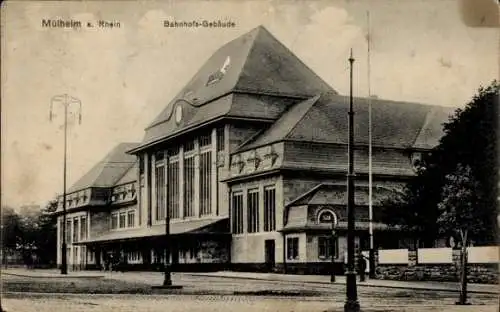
(220,73)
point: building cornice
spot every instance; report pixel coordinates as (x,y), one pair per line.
(195,127)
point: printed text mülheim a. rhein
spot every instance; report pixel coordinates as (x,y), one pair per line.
(202,23)
(70,23)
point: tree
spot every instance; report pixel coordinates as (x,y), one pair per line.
(46,241)
(404,208)
(11,227)
(461,196)
(34,233)
(469,142)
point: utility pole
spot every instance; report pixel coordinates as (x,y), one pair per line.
(370,155)
(351,303)
(66,100)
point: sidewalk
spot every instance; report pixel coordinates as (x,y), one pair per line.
(52,273)
(154,277)
(322,279)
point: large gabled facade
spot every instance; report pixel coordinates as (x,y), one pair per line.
(250,159)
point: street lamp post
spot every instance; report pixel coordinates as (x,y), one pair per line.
(351,303)
(332,250)
(65,100)
(167,280)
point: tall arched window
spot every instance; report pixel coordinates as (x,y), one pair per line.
(326,246)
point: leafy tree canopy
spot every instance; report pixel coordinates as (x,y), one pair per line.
(462,167)
(36,232)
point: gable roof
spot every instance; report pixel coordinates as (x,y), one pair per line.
(130,175)
(254,63)
(109,170)
(325,120)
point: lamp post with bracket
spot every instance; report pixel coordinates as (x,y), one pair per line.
(351,303)
(66,100)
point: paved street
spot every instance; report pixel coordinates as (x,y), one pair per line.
(216,293)
(208,303)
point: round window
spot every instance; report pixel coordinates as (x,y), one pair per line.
(178,113)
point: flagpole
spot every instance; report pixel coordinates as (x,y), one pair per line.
(370,173)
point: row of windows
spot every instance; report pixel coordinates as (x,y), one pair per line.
(205,183)
(123,219)
(253,211)
(189,186)
(173,184)
(326,248)
(173,191)
(76,229)
(204,140)
(160,192)
(134,257)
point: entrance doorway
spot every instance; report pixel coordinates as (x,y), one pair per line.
(269,254)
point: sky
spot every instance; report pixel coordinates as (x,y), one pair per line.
(421,51)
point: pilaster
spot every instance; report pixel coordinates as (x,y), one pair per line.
(153,188)
(261,207)
(88,225)
(181,182)
(138,194)
(70,246)
(59,240)
(245,211)
(78,235)
(147,190)
(197,178)
(213,176)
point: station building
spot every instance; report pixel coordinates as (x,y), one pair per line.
(250,159)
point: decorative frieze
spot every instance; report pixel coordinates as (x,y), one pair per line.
(271,155)
(238,163)
(123,193)
(254,160)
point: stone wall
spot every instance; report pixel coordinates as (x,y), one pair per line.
(477,273)
(486,273)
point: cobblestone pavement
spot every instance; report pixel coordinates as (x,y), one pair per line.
(217,294)
(226,285)
(213,303)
